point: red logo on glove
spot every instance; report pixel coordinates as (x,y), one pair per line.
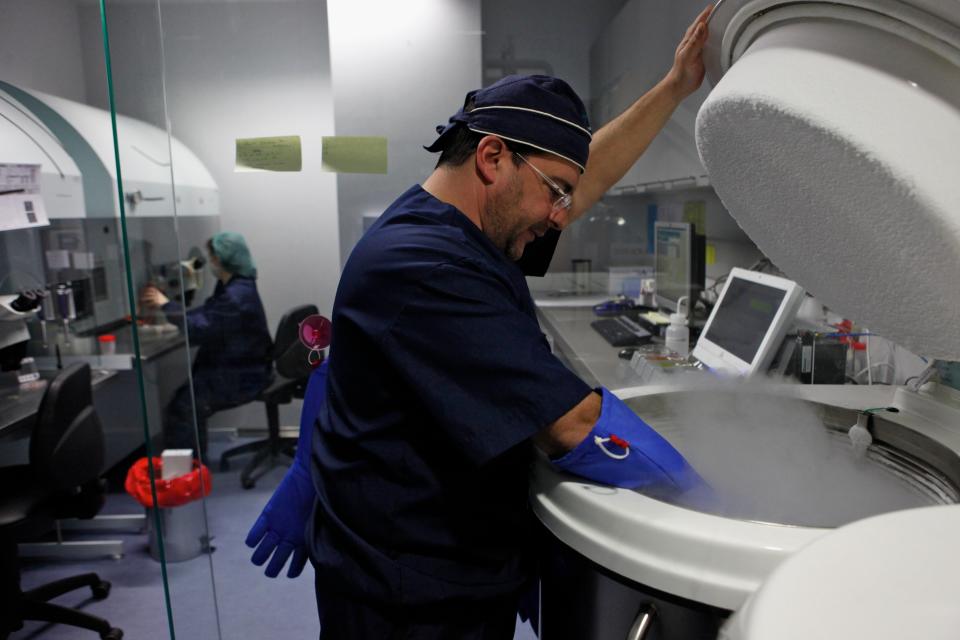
(620,442)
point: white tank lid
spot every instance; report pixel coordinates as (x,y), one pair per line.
(832,135)
(884,578)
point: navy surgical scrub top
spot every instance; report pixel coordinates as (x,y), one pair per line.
(231,330)
(439,375)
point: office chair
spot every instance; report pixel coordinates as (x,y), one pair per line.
(62,480)
(289,381)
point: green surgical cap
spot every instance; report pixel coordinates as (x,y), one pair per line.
(234,254)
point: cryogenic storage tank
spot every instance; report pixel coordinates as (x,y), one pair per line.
(830,135)
(784,473)
(884,578)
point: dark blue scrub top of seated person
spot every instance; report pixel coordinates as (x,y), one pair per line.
(230,329)
(440,376)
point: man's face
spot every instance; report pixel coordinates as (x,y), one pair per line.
(523,209)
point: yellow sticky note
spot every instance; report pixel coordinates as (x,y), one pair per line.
(696,214)
(355,154)
(278,153)
(711,254)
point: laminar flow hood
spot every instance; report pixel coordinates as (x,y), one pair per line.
(160,175)
(25,140)
(832,135)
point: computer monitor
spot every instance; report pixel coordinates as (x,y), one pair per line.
(679,262)
(748,323)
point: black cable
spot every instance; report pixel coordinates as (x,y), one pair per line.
(39,146)
(29,116)
(145,155)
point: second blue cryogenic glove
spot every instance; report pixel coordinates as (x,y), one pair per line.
(279,531)
(624,451)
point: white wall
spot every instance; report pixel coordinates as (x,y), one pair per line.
(237,70)
(537,36)
(629,57)
(399,69)
(40,47)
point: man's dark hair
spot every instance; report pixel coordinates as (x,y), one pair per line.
(460,147)
(463,144)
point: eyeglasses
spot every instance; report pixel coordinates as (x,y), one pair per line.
(564,200)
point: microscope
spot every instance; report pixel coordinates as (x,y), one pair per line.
(181,276)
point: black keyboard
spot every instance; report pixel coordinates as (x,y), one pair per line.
(621,331)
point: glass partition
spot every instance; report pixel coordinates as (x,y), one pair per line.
(224,249)
(165,222)
(70,267)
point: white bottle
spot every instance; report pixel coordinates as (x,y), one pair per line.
(678,335)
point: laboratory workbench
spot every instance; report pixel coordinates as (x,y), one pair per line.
(153,344)
(19,402)
(580,347)
(124,399)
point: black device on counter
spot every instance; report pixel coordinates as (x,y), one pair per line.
(11,355)
(621,331)
(620,306)
(83,297)
(820,361)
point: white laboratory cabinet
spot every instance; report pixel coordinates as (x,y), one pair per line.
(161,177)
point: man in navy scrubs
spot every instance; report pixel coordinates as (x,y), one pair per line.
(440,379)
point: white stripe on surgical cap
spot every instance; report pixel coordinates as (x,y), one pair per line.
(529,144)
(542,113)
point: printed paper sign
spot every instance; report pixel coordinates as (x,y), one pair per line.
(279,153)
(21,204)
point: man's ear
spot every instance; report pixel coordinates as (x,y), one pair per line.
(490,157)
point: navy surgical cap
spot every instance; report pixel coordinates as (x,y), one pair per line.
(538,111)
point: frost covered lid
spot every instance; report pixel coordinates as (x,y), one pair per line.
(831,136)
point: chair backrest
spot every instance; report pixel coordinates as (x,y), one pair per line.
(289,355)
(66,446)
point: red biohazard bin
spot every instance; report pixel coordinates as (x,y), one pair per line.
(179,510)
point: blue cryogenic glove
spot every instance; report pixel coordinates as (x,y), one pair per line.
(624,451)
(280,528)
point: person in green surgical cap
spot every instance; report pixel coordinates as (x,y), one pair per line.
(233,361)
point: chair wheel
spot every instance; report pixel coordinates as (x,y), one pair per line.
(224,465)
(113,634)
(247,483)
(101,591)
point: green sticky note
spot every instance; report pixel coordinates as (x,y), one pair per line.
(278,153)
(355,154)
(696,214)
(711,254)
